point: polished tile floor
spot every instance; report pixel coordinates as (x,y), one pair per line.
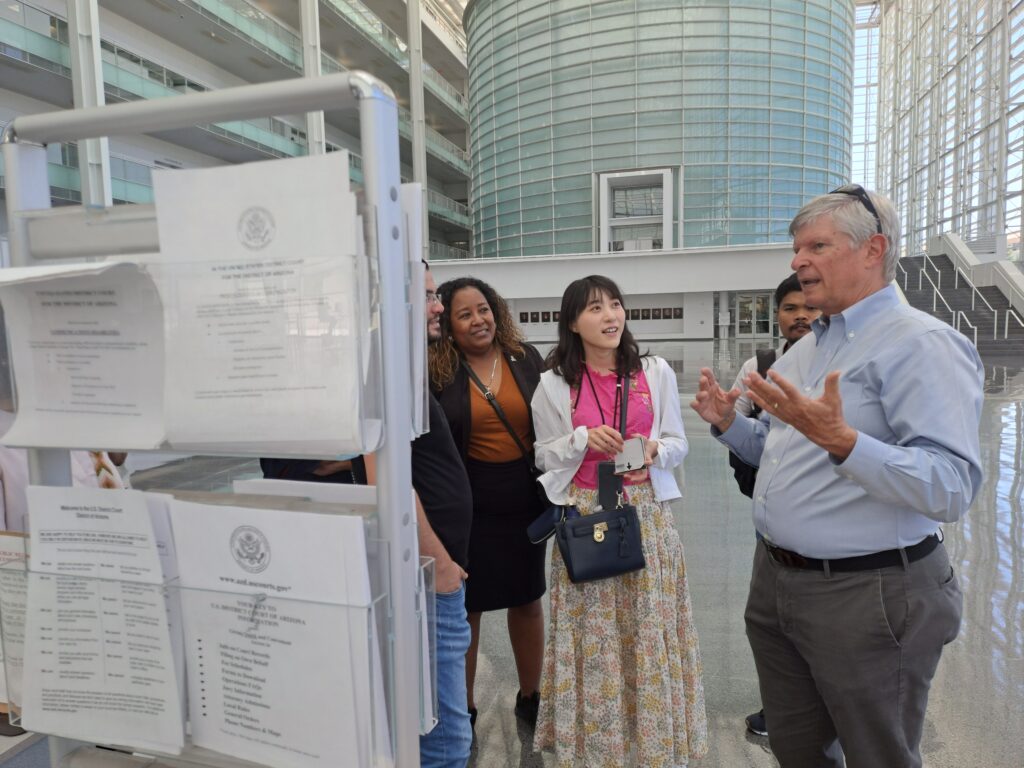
(976,710)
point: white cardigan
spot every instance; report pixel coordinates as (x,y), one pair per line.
(560,449)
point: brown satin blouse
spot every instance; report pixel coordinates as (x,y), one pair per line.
(489,440)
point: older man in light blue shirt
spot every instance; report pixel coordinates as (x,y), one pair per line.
(868,440)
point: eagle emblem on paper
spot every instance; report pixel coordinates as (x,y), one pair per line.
(250,548)
(256,228)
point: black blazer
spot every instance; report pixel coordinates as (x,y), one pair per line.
(454,398)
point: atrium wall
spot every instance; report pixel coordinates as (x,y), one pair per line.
(745,106)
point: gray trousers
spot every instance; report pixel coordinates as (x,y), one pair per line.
(845,660)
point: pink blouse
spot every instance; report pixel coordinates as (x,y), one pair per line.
(586,413)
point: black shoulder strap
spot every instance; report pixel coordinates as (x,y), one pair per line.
(490,398)
(609,485)
(765,360)
(624,406)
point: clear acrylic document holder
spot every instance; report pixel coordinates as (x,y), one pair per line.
(142,381)
(427,615)
(381,365)
(230,671)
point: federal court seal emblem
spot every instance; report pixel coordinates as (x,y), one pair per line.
(256,228)
(250,548)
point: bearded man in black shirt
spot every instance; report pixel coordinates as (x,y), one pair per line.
(444,513)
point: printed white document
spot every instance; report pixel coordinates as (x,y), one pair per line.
(98,659)
(279,630)
(13,579)
(362,500)
(86,345)
(258,268)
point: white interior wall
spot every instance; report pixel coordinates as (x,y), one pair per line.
(686,278)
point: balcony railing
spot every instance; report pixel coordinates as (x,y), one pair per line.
(449,209)
(445,89)
(65,181)
(364,19)
(437,204)
(130,76)
(444,19)
(32,47)
(444,148)
(445,252)
(259,29)
(385,38)
(331,66)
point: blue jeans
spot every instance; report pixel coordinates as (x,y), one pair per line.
(447,746)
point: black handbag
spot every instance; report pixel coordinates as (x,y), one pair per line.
(608,542)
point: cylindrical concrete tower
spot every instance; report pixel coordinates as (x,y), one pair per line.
(617,125)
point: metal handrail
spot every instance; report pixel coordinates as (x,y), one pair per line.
(961,315)
(1006,321)
(1008,288)
(938,272)
(938,294)
(976,293)
(906,276)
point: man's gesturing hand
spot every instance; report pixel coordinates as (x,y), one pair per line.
(714,404)
(820,420)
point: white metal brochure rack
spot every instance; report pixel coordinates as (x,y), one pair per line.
(37,234)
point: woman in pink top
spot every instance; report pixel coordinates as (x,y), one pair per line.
(621,681)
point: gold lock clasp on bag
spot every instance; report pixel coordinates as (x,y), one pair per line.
(599,529)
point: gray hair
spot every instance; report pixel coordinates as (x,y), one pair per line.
(854,220)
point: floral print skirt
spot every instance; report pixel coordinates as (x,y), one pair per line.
(621,683)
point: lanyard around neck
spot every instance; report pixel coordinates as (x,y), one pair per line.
(597,402)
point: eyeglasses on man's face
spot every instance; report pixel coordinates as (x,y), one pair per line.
(856,190)
(432,298)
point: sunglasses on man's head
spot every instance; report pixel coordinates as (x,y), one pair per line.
(856,190)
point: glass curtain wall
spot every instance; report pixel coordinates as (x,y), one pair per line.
(749,102)
(865,96)
(950,132)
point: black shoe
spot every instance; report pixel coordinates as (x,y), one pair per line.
(526,707)
(756,724)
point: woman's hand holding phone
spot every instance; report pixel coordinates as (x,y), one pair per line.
(650,454)
(604,439)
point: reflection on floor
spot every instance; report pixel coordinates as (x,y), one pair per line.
(977,701)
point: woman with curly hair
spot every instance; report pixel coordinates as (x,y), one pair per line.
(484,376)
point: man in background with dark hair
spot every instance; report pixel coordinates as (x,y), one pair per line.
(794,319)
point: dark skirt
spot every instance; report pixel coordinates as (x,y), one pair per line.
(505,568)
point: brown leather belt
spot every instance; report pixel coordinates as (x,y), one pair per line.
(886,559)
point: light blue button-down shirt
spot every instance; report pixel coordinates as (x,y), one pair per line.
(912,387)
